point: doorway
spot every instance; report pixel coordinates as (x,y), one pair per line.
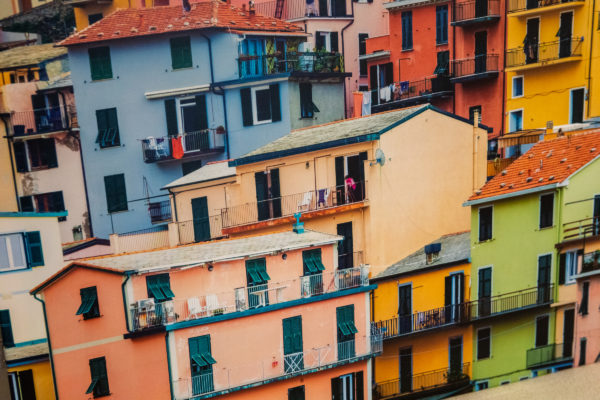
(200,219)
(345,246)
(480,51)
(564,33)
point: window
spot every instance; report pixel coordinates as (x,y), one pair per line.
(517,86)
(568,267)
(260,105)
(190,166)
(20,250)
(21,385)
(485,223)
(472,111)
(296,393)
(311,260)
(523,378)
(441,24)
(327,41)
(108,128)
(116,196)
(541,330)
(45,202)
(258,279)
(201,364)
(307,107)
(89,307)
(585,294)
(481,385)
(576,104)
(159,287)
(99,385)
(293,359)
(100,65)
(483,343)
(582,350)
(443,63)
(188,116)
(407,40)
(345,332)
(35,154)
(348,387)
(362,50)
(92,18)
(6,326)
(546,210)
(181,52)
(515,121)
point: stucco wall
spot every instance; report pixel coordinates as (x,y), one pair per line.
(326,96)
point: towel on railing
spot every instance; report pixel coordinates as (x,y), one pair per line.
(177,147)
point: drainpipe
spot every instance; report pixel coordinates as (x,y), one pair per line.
(125,302)
(85,188)
(169,365)
(454,55)
(12,165)
(174,204)
(589,79)
(49,345)
(504,88)
(344,56)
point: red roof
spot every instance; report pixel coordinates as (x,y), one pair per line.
(213,14)
(547,162)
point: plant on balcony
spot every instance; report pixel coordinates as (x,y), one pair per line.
(454,375)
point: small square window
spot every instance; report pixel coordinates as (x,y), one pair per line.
(100,64)
(517,86)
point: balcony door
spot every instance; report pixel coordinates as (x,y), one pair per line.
(349,178)
(406,370)
(565,32)
(201,220)
(405,308)
(480,51)
(345,246)
(268,196)
(481,8)
(455,352)
(193,123)
(532,40)
(568,332)
(485,291)
(543,283)
(454,297)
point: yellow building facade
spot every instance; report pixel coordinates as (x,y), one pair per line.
(551,65)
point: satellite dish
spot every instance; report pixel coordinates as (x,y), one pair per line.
(379,157)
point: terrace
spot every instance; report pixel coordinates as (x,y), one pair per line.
(535,54)
(189,144)
(476,12)
(526,7)
(474,68)
(41,120)
(405,93)
(295,63)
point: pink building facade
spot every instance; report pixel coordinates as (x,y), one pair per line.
(261,317)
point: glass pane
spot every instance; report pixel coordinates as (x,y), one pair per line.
(263,105)
(191,119)
(4,263)
(18,253)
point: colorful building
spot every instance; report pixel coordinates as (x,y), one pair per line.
(269,316)
(29,253)
(421,308)
(523,301)
(144,124)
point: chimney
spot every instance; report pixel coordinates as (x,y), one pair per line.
(251,7)
(549,133)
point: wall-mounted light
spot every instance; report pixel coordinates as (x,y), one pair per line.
(284,256)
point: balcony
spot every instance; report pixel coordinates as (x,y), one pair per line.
(300,64)
(405,93)
(232,378)
(450,315)
(584,228)
(424,384)
(189,145)
(591,262)
(282,209)
(160,211)
(298,9)
(540,54)
(199,230)
(41,121)
(146,314)
(552,354)
(525,7)
(476,12)
(479,67)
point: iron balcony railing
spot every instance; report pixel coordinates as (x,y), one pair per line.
(306,62)
(288,205)
(42,120)
(199,230)
(160,211)
(423,381)
(467,11)
(464,312)
(534,52)
(224,377)
(409,91)
(591,262)
(549,354)
(190,143)
(522,5)
(146,313)
(582,228)
(475,65)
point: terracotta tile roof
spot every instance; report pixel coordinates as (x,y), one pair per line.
(546,163)
(129,23)
(30,55)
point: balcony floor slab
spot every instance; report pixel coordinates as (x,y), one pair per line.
(540,64)
(475,21)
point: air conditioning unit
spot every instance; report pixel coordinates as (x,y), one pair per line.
(145,305)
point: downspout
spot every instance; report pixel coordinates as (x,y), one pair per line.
(12,165)
(125,303)
(85,188)
(454,55)
(504,88)
(169,365)
(174,204)
(344,57)
(49,345)
(589,88)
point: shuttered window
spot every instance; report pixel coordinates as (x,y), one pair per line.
(256,272)
(42,154)
(6,327)
(116,196)
(483,343)
(99,385)
(108,128)
(407,39)
(541,330)
(33,244)
(362,49)
(345,323)
(89,307)
(485,223)
(292,335)
(159,287)
(441,24)
(260,105)
(312,263)
(585,294)
(181,52)
(546,210)
(307,107)
(582,350)
(100,65)
(443,62)
(21,156)
(201,362)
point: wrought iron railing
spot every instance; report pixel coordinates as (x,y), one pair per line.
(160,211)
(202,383)
(474,65)
(544,355)
(147,314)
(471,10)
(410,90)
(171,147)
(349,260)
(199,230)
(582,228)
(422,381)
(291,204)
(464,312)
(42,120)
(591,262)
(239,374)
(313,62)
(522,5)
(534,52)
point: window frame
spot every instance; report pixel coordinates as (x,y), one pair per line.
(253,91)
(362,64)
(541,210)
(8,328)
(489,338)
(537,318)
(9,252)
(103,133)
(158,287)
(491,234)
(94,307)
(307,106)
(318,262)
(406,17)
(98,375)
(584,306)
(484,382)
(583,110)
(514,78)
(570,277)
(510,113)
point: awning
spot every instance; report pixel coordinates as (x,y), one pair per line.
(520,137)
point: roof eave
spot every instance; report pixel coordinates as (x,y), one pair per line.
(66,269)
(511,195)
(425,268)
(169,187)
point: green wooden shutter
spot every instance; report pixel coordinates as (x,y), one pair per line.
(359,385)
(100,64)
(57,202)
(26,385)
(116,195)
(99,385)
(292,335)
(200,219)
(6,328)
(246,97)
(201,112)
(49,152)
(181,52)
(102,123)
(171,117)
(113,127)
(20,156)
(275,192)
(275,103)
(334,42)
(336,389)
(26,204)
(35,254)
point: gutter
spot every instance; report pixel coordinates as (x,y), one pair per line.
(85,188)
(511,195)
(344,55)
(49,345)
(12,164)
(127,275)
(169,366)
